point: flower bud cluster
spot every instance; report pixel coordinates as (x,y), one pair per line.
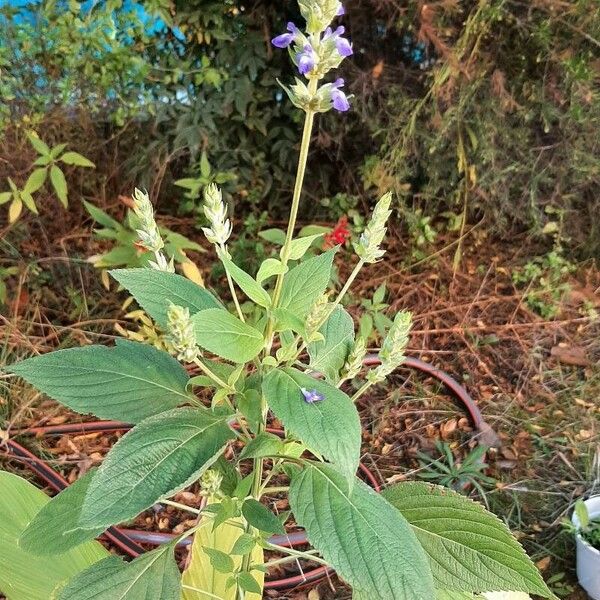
(210,482)
(354,363)
(214,208)
(148,233)
(368,246)
(392,350)
(180,339)
(315,317)
(315,53)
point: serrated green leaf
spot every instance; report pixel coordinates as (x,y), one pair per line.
(219,560)
(156,458)
(360,534)
(74,158)
(270,267)
(24,576)
(329,356)
(28,201)
(259,516)
(154,291)
(248,284)
(299,246)
(52,531)
(101,217)
(470,548)
(243,545)
(56,150)
(36,180)
(247,582)
(330,427)
(59,183)
(225,335)
(150,576)
(128,382)
(264,444)
(305,283)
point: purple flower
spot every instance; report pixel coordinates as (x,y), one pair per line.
(341,11)
(306,59)
(312,396)
(342,44)
(285,39)
(339,99)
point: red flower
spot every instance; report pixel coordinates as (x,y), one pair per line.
(340,234)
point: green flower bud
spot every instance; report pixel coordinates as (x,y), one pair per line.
(392,350)
(315,317)
(319,13)
(354,363)
(210,482)
(220,227)
(180,338)
(368,246)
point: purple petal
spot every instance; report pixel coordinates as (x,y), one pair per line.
(312,396)
(306,60)
(283,40)
(338,83)
(340,100)
(343,46)
(341,11)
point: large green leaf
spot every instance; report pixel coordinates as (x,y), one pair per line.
(247,283)
(59,183)
(305,283)
(151,576)
(470,548)
(156,290)
(328,356)
(201,575)
(226,336)
(330,427)
(159,456)
(360,534)
(24,576)
(53,530)
(128,382)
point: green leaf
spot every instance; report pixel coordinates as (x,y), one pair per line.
(329,356)
(226,336)
(470,548)
(264,444)
(259,516)
(243,545)
(156,458)
(204,165)
(248,583)
(305,283)
(101,217)
(360,534)
(36,180)
(38,144)
(275,236)
(56,150)
(330,427)
(286,320)
(59,183)
(53,530)
(299,246)
(28,201)
(248,284)
(268,268)
(5,197)
(128,382)
(219,560)
(150,576)
(24,576)
(155,290)
(74,158)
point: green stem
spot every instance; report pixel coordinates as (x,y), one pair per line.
(238,308)
(309,555)
(285,251)
(296,553)
(363,388)
(181,506)
(213,376)
(274,489)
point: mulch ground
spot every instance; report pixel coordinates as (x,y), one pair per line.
(536,380)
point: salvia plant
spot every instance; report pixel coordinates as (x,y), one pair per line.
(415,541)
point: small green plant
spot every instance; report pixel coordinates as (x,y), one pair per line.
(414,541)
(588,528)
(48,167)
(449,472)
(544,278)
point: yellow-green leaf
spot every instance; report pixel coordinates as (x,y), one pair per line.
(14,211)
(74,158)
(59,183)
(200,574)
(36,180)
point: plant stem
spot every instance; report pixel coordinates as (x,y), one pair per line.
(285,251)
(274,489)
(280,561)
(213,376)
(238,308)
(364,387)
(296,553)
(181,506)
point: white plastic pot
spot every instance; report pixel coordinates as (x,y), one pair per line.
(588,557)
